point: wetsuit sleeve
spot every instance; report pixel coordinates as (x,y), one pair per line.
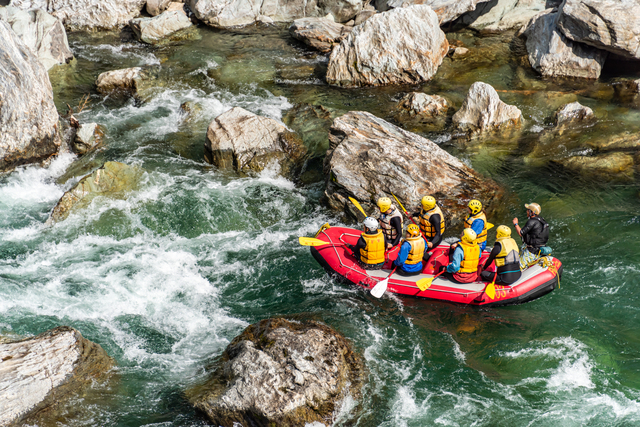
(435,221)
(397,224)
(477,226)
(458,256)
(494,253)
(403,255)
(361,244)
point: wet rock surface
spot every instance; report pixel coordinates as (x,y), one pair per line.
(87,15)
(612,25)
(43,33)
(135,82)
(87,137)
(483,111)
(553,55)
(370,158)
(280,372)
(39,372)
(113,180)
(614,166)
(423,105)
(28,116)
(154,30)
(401,46)
(245,142)
(319,33)
(572,114)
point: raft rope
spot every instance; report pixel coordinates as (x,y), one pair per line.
(547,262)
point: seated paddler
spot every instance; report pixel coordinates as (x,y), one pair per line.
(463,263)
(390,221)
(409,261)
(477,221)
(431,224)
(506,254)
(370,248)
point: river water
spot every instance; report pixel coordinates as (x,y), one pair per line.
(164,279)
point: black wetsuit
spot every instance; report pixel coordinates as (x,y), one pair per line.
(507,274)
(535,233)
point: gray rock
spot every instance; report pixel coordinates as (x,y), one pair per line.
(156,7)
(629,142)
(38,372)
(281,373)
(43,33)
(502,15)
(243,141)
(233,13)
(363,15)
(421,104)
(113,180)
(459,52)
(154,30)
(319,33)
(553,55)
(87,15)
(370,158)
(574,113)
(87,136)
(447,10)
(483,111)
(612,25)
(28,117)
(401,46)
(136,82)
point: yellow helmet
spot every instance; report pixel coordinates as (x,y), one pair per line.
(475,206)
(503,231)
(469,236)
(428,203)
(413,230)
(384,203)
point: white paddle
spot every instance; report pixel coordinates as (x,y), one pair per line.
(380,288)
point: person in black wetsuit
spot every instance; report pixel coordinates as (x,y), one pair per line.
(390,221)
(507,258)
(535,235)
(431,224)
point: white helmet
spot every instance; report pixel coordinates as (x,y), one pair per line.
(371,223)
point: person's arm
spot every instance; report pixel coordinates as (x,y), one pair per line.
(360,244)
(403,255)
(528,227)
(396,223)
(435,221)
(494,253)
(458,256)
(477,226)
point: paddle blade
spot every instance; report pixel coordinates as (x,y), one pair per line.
(491,290)
(423,284)
(310,241)
(357,205)
(379,289)
(489,226)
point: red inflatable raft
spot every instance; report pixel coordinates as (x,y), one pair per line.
(339,262)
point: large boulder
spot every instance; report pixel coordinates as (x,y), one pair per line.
(245,142)
(87,15)
(370,158)
(156,29)
(113,180)
(319,33)
(38,372)
(447,10)
(233,13)
(283,373)
(401,46)
(28,117)
(43,33)
(612,25)
(483,111)
(504,15)
(553,55)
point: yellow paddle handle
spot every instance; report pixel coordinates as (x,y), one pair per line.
(399,204)
(357,205)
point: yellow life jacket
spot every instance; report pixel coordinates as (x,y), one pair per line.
(425,225)
(471,257)
(385,223)
(482,237)
(373,252)
(510,254)
(417,250)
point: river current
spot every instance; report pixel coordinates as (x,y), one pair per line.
(165,278)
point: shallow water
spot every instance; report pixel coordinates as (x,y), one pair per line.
(166,278)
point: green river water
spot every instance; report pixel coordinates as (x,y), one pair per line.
(166,278)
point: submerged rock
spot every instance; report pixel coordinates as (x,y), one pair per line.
(401,46)
(574,113)
(629,142)
(610,166)
(39,372)
(134,81)
(370,158)
(154,30)
(483,111)
(233,13)
(447,10)
(87,136)
(553,55)
(243,141)
(423,105)
(319,33)
(28,117)
(112,180)
(43,33)
(312,123)
(87,15)
(612,25)
(284,373)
